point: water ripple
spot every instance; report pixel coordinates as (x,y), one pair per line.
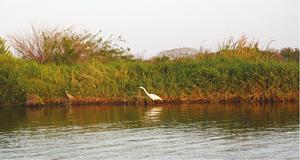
(169,132)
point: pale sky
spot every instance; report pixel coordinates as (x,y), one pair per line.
(150,26)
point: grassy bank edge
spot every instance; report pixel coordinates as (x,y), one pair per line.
(292,97)
(214,79)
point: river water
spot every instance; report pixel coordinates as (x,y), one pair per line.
(193,131)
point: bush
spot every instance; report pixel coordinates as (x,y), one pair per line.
(290,54)
(11,91)
(4,49)
(67,46)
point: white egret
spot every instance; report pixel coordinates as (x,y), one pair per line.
(70,97)
(152,96)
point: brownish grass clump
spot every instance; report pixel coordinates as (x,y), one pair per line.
(65,46)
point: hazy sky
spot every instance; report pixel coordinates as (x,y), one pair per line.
(150,26)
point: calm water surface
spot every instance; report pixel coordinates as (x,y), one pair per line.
(164,132)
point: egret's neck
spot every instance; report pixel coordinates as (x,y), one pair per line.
(145,91)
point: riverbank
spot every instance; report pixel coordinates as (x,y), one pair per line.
(143,101)
(96,70)
(207,78)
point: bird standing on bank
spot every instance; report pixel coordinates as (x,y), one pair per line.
(152,96)
(69,96)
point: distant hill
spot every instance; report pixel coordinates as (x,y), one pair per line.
(178,52)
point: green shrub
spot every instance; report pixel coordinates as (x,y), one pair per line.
(4,49)
(11,91)
(290,54)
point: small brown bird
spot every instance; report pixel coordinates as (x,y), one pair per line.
(70,97)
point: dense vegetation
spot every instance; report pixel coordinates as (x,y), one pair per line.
(239,71)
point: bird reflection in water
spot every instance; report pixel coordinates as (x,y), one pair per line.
(153,113)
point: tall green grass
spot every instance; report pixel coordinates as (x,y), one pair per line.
(217,77)
(238,71)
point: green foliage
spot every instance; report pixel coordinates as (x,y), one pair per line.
(11,91)
(121,78)
(239,69)
(4,49)
(290,54)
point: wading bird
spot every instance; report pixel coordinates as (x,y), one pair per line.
(69,96)
(152,96)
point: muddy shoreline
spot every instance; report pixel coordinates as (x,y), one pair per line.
(144,101)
